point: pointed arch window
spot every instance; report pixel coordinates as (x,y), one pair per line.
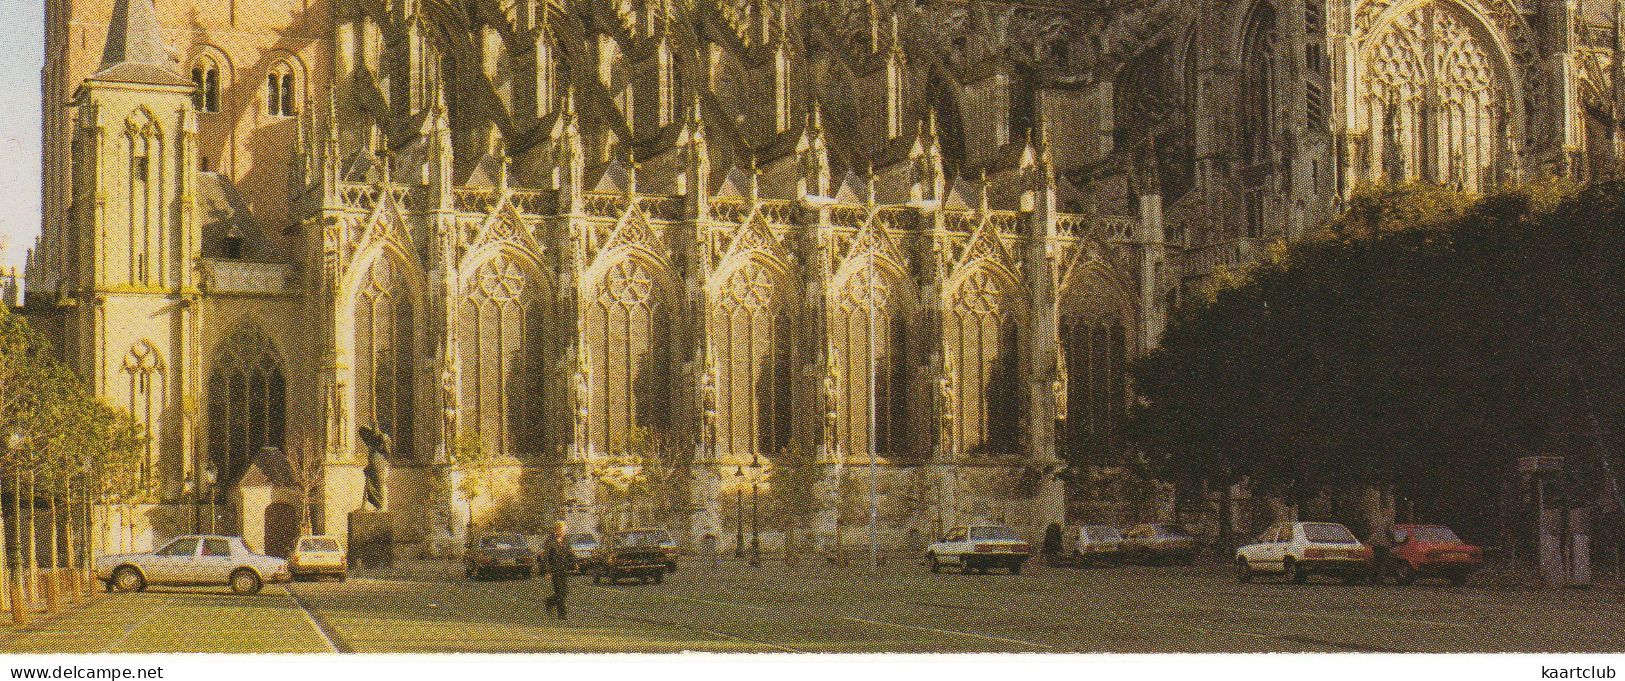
(1258,110)
(384,357)
(751,327)
(281,94)
(1096,355)
(882,363)
(206,84)
(500,340)
(146,215)
(247,402)
(982,333)
(626,327)
(1438,106)
(144,368)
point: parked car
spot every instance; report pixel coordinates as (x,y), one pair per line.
(1158,543)
(1297,550)
(193,560)
(1421,551)
(976,548)
(585,546)
(1098,544)
(316,556)
(668,546)
(499,553)
(632,554)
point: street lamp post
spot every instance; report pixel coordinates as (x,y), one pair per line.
(211,475)
(14,548)
(739,514)
(755,527)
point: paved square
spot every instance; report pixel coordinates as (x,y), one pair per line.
(815,607)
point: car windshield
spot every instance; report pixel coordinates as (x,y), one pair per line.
(992,532)
(577,539)
(1328,533)
(319,544)
(502,541)
(642,538)
(1101,533)
(1435,534)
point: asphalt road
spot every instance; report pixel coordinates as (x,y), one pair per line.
(816,607)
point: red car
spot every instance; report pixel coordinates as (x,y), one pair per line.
(1431,551)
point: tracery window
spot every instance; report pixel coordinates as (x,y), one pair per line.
(626,327)
(981,332)
(1096,353)
(861,363)
(247,402)
(1258,110)
(384,354)
(752,333)
(500,339)
(1435,101)
(144,368)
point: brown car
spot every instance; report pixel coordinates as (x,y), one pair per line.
(1148,543)
(632,554)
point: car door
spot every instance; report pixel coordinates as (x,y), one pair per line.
(169,564)
(955,545)
(1270,549)
(213,563)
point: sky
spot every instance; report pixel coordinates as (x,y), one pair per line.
(22,55)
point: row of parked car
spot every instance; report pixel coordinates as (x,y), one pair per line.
(221,560)
(1294,551)
(643,554)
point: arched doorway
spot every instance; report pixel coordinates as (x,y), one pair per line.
(281,529)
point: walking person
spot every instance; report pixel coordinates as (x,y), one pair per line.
(559,561)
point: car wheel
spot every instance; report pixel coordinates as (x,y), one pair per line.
(936,567)
(659,577)
(1356,578)
(671,567)
(1015,567)
(468,571)
(1244,572)
(1292,573)
(128,580)
(597,578)
(1458,579)
(1403,574)
(965,567)
(245,583)
(342,576)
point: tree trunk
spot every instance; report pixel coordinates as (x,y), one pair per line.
(19,600)
(33,544)
(52,577)
(1227,540)
(5,557)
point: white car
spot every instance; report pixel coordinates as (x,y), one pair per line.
(1098,544)
(193,560)
(976,548)
(1297,550)
(318,555)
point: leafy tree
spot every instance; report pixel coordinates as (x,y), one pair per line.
(1423,345)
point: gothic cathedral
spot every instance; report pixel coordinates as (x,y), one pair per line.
(564,253)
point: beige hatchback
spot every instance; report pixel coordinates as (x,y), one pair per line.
(315,556)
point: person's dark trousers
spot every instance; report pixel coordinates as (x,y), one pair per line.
(561,589)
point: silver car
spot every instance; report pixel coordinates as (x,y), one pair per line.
(193,560)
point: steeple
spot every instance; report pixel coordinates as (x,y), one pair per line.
(135,51)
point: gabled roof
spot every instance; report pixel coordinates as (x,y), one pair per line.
(270,469)
(135,50)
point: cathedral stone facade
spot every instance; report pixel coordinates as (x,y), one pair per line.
(561,251)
